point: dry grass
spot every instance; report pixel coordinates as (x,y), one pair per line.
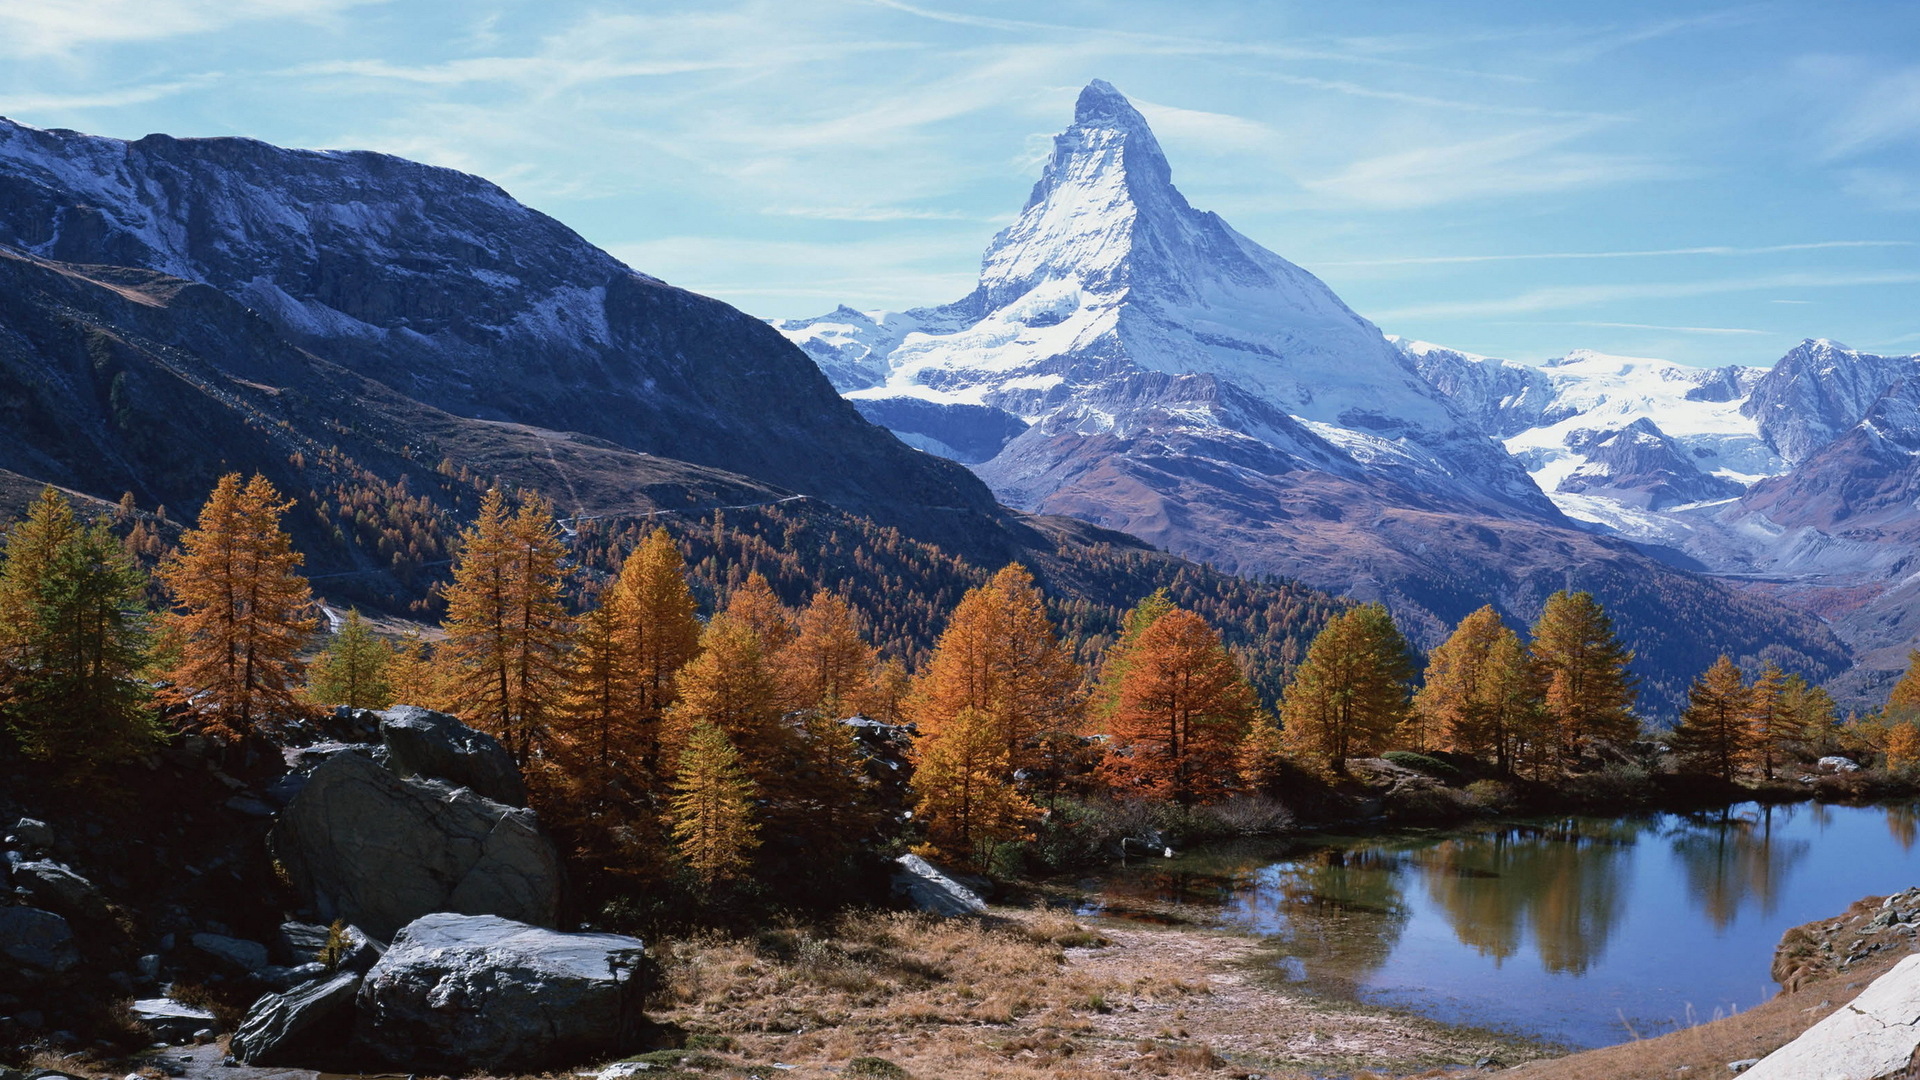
(1024,995)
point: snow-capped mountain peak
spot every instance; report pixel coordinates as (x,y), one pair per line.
(1111,292)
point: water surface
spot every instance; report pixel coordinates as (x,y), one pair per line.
(1581,931)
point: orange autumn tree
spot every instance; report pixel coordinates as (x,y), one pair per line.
(1182,710)
(599,729)
(243,610)
(658,634)
(828,666)
(963,790)
(712,810)
(730,687)
(506,629)
(754,604)
(1000,657)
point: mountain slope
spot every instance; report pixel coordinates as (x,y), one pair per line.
(442,287)
(1132,361)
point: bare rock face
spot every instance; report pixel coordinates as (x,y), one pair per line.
(421,742)
(36,941)
(1872,1037)
(307,1024)
(476,993)
(380,850)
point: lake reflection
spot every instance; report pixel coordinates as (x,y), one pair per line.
(1585,931)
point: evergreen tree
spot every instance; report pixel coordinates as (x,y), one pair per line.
(1184,708)
(713,826)
(72,642)
(243,610)
(1350,694)
(506,630)
(1713,734)
(964,790)
(1772,728)
(353,669)
(1589,694)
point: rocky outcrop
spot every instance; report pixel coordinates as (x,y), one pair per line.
(380,850)
(466,993)
(421,742)
(926,887)
(171,1021)
(38,941)
(1873,1037)
(307,1025)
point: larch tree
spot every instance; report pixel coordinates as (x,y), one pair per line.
(599,728)
(1771,728)
(660,633)
(243,611)
(827,666)
(1480,696)
(1810,712)
(506,629)
(1105,700)
(963,789)
(73,640)
(1903,702)
(1589,694)
(1713,735)
(1350,693)
(712,808)
(755,605)
(729,686)
(1183,709)
(353,669)
(1902,746)
(411,674)
(1000,657)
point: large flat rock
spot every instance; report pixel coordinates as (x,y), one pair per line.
(1872,1037)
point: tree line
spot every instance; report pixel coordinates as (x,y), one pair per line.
(659,744)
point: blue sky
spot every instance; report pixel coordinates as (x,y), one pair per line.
(1705,182)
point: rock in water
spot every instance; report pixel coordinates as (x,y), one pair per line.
(930,889)
(472,993)
(37,940)
(306,1025)
(380,850)
(421,742)
(1872,1037)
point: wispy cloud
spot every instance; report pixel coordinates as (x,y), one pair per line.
(1574,296)
(1886,111)
(59,27)
(20,104)
(1716,249)
(1526,161)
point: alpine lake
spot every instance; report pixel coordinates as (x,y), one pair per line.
(1575,931)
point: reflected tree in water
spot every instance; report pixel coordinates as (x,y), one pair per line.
(1564,884)
(1903,821)
(1732,860)
(1337,913)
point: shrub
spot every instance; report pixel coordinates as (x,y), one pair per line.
(876,1068)
(1432,766)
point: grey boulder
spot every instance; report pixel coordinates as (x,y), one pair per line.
(1874,1036)
(307,1025)
(380,850)
(37,940)
(245,955)
(304,942)
(32,834)
(928,888)
(56,888)
(464,993)
(421,742)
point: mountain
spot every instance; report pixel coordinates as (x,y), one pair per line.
(440,286)
(1797,480)
(1132,361)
